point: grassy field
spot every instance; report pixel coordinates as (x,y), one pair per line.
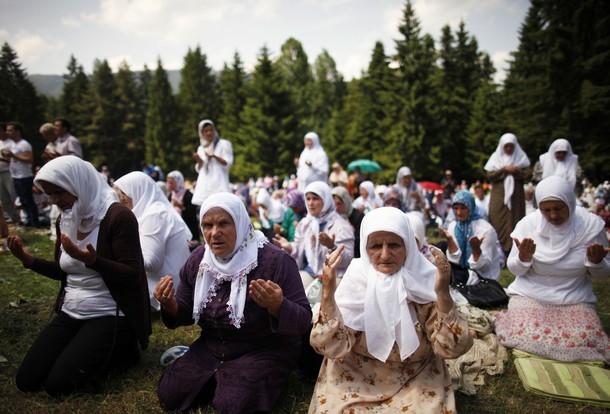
(26,301)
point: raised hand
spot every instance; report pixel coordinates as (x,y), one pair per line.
(527,248)
(18,249)
(596,253)
(88,256)
(165,294)
(443,278)
(268,295)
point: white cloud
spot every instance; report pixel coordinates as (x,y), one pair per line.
(500,61)
(69,21)
(32,48)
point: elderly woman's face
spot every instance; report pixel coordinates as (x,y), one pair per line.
(219,231)
(509,149)
(561,155)
(406,180)
(58,196)
(308,143)
(387,251)
(556,212)
(314,204)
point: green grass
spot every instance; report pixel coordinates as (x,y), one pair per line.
(26,301)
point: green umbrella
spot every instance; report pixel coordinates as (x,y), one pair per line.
(366,166)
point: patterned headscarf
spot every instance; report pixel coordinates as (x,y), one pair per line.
(463,229)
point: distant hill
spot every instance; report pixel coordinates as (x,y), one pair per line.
(51,85)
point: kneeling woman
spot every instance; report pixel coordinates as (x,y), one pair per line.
(386,331)
(247,296)
(557,250)
(102,308)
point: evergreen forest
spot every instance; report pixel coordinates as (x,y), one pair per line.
(430,104)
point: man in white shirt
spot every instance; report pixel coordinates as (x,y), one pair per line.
(20,154)
(66,143)
(7,189)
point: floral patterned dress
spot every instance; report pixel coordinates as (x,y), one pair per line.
(353,381)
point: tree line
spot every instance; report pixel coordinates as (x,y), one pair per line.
(431,105)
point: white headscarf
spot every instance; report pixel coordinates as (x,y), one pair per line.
(318,159)
(202,141)
(81,179)
(377,303)
(313,223)
(148,199)
(178,195)
(499,159)
(554,242)
(214,270)
(566,168)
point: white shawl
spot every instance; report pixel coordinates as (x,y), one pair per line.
(499,159)
(379,304)
(566,168)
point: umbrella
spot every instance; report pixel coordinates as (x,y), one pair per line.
(429,185)
(366,166)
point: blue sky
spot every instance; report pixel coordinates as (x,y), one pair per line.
(45,33)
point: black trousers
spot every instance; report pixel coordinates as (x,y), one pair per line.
(69,353)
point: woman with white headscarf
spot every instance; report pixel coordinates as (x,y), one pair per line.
(561,161)
(557,250)
(412,193)
(313,162)
(214,158)
(181,199)
(246,296)
(507,169)
(386,331)
(102,311)
(319,233)
(367,200)
(343,206)
(164,236)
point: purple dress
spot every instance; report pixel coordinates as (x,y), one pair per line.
(250,365)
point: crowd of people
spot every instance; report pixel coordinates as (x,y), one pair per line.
(325,269)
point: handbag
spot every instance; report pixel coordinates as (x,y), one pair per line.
(488,293)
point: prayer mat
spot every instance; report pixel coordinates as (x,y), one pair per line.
(567,381)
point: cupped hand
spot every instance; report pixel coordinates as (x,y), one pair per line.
(444,233)
(88,255)
(165,294)
(527,248)
(326,240)
(17,247)
(596,253)
(281,242)
(268,295)
(476,242)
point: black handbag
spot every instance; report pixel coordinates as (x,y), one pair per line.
(488,293)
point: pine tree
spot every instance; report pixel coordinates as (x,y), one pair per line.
(130,135)
(18,98)
(329,90)
(74,101)
(198,98)
(161,126)
(232,83)
(294,66)
(267,126)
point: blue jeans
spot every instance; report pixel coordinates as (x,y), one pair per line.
(23,189)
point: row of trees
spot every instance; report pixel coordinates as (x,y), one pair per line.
(427,105)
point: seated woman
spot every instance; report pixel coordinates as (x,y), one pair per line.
(556,251)
(164,236)
(387,330)
(102,309)
(471,242)
(368,200)
(319,233)
(246,295)
(343,206)
(295,210)
(181,198)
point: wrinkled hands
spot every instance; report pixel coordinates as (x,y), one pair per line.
(329,272)
(443,279)
(268,295)
(596,253)
(527,248)
(165,294)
